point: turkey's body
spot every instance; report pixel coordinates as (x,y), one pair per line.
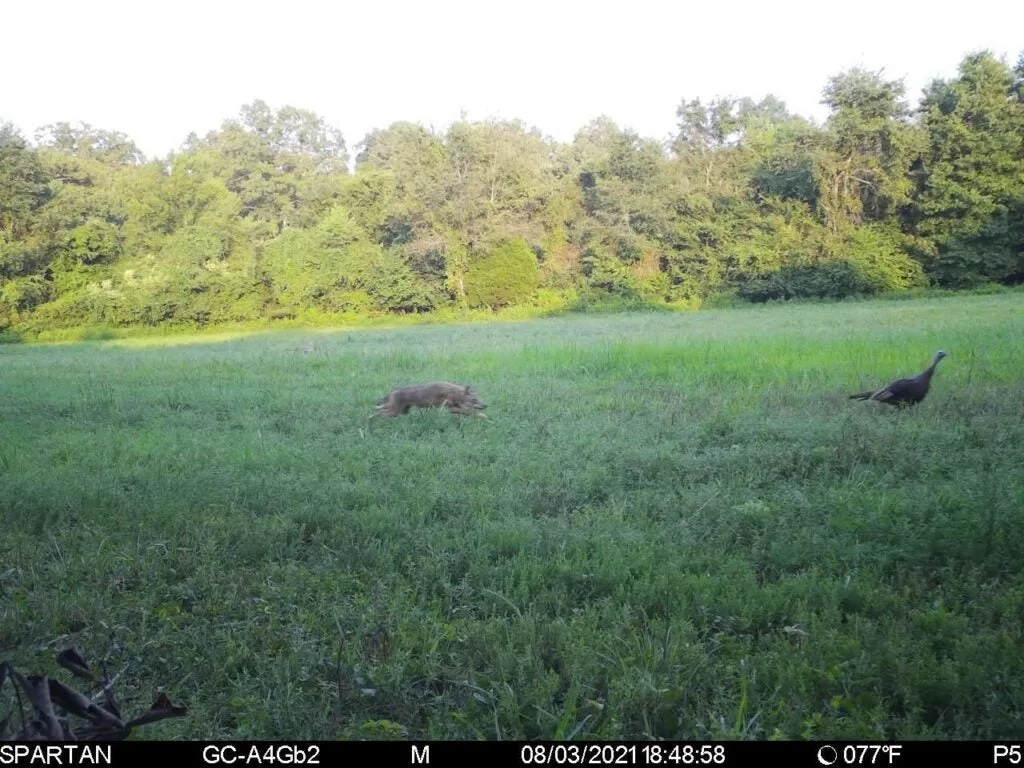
(903,392)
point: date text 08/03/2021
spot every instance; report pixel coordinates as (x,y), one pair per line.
(622,754)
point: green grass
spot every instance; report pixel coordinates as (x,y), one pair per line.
(671,526)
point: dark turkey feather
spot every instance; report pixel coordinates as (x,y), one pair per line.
(904,391)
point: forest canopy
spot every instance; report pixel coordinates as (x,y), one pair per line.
(269,217)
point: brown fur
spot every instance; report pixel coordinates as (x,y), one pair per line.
(454,397)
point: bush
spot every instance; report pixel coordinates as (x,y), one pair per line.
(333,268)
(71,311)
(508,275)
(93,242)
(883,263)
(864,262)
(23,293)
(387,278)
(828,280)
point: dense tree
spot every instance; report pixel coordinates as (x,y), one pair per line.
(969,211)
(284,166)
(863,172)
(262,218)
(23,186)
(83,140)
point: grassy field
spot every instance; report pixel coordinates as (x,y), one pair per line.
(671,526)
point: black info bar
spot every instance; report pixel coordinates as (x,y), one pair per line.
(494,754)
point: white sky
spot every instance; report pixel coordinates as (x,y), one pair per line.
(157,70)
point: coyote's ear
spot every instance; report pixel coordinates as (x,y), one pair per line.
(469,389)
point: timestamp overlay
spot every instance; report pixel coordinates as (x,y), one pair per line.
(495,754)
(758,753)
(597,753)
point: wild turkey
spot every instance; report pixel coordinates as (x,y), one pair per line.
(904,391)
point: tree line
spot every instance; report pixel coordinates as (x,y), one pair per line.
(263,218)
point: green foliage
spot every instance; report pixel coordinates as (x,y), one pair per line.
(969,214)
(383,275)
(21,295)
(371,198)
(298,274)
(828,280)
(71,310)
(261,219)
(84,255)
(94,242)
(333,268)
(15,258)
(882,260)
(23,188)
(507,275)
(863,171)
(192,248)
(863,262)
(86,141)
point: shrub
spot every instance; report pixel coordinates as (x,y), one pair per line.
(827,280)
(508,275)
(333,268)
(864,262)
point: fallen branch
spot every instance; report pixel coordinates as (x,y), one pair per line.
(54,703)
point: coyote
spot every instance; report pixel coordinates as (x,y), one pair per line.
(454,397)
